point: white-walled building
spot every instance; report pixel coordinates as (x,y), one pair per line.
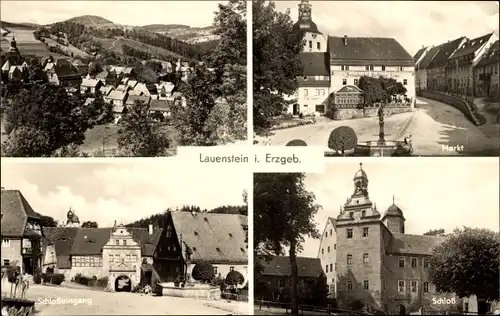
(327,254)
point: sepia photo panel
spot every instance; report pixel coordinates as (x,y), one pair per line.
(122,78)
(377,78)
(119,238)
(374,238)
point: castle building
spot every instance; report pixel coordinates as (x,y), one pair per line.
(140,256)
(332,63)
(71,219)
(374,260)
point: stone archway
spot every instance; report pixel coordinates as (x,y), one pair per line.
(123,284)
(402,310)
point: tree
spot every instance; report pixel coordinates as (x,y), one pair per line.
(467,262)
(276,62)
(27,142)
(278,196)
(47,221)
(372,89)
(203,271)
(342,139)
(435,232)
(48,111)
(138,135)
(190,121)
(89,224)
(234,278)
(320,291)
(98,112)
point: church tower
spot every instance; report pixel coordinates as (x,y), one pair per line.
(13,55)
(359,246)
(394,219)
(314,41)
(72,220)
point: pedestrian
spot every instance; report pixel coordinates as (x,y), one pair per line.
(406,141)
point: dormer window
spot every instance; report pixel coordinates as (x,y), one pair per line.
(351,215)
(363,213)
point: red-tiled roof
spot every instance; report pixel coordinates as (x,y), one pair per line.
(280,266)
(376,50)
(314,64)
(444,53)
(216,238)
(15,213)
(414,244)
(471,46)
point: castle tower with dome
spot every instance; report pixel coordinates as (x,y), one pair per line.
(71,219)
(367,256)
(314,41)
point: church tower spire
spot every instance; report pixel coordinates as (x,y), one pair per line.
(305,9)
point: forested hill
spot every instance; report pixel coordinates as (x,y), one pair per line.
(160,220)
(81,35)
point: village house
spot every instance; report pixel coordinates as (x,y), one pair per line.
(486,73)
(435,70)
(123,72)
(275,274)
(164,90)
(159,109)
(90,85)
(62,73)
(131,83)
(327,254)
(132,99)
(117,99)
(105,90)
(89,101)
(421,67)
(140,89)
(21,232)
(123,88)
(459,69)
(148,255)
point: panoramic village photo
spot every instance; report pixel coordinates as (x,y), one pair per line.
(126,79)
(122,239)
(377,239)
(398,78)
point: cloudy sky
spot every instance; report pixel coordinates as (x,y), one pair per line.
(432,193)
(411,23)
(192,13)
(121,191)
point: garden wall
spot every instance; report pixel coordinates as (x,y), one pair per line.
(372,111)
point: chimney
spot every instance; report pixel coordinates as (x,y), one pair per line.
(345,40)
(151,229)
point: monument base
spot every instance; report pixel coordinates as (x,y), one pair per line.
(377,149)
(197,291)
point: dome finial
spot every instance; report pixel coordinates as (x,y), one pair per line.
(361,165)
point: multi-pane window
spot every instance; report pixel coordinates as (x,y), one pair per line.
(401,262)
(282,282)
(414,286)
(356,81)
(366,285)
(331,267)
(383,68)
(413,262)
(365,258)
(405,81)
(349,285)
(426,287)
(169,231)
(349,232)
(322,251)
(326,268)
(134,258)
(426,262)
(344,82)
(349,260)
(401,286)
(215,270)
(365,231)
(328,248)
(5,242)
(87,261)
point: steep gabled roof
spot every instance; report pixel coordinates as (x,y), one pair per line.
(66,70)
(15,213)
(280,266)
(159,105)
(89,241)
(376,50)
(132,98)
(471,46)
(444,53)
(216,238)
(63,239)
(314,64)
(419,53)
(414,244)
(431,54)
(117,95)
(490,57)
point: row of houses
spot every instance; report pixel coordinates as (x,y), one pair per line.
(140,255)
(466,66)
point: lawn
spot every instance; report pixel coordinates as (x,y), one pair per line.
(68,49)
(119,42)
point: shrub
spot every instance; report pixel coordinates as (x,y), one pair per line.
(57,278)
(37,277)
(219,282)
(203,271)
(234,278)
(342,138)
(102,282)
(357,305)
(296,142)
(83,280)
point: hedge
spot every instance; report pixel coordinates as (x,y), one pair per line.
(53,278)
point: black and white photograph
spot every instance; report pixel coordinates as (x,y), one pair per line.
(378,78)
(128,238)
(378,238)
(121,78)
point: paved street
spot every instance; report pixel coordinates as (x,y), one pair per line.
(105,303)
(432,125)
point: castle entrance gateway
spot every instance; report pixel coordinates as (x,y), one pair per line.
(123,284)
